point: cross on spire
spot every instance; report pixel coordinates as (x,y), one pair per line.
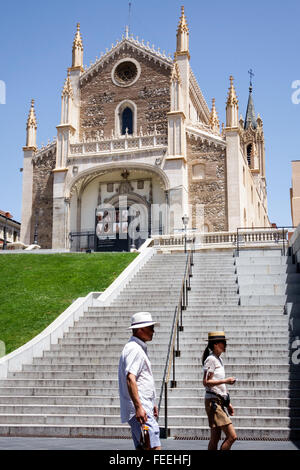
(251,73)
(129,17)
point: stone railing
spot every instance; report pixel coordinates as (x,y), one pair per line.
(172,240)
(271,237)
(124,143)
(295,244)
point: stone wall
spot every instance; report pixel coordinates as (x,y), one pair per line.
(42,204)
(151,94)
(208,185)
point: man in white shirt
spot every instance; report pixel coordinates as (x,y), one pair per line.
(136,383)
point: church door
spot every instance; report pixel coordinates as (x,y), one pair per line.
(118,230)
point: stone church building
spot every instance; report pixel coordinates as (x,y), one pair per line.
(139,147)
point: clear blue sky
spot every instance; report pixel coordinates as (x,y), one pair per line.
(225,38)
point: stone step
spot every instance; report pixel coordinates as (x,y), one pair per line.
(70,359)
(165,293)
(243,253)
(112,381)
(269,289)
(85,332)
(195,373)
(169,300)
(60,431)
(189,318)
(262,279)
(102,374)
(123,431)
(179,420)
(238,309)
(189,315)
(90,410)
(173,401)
(254,421)
(246,433)
(185,340)
(233,331)
(90,336)
(266,269)
(280,327)
(87,368)
(98,349)
(59,391)
(268,300)
(240,392)
(262,261)
(144,304)
(158,349)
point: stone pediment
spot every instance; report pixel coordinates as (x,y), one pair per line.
(128,44)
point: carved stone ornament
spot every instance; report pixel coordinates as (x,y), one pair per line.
(125,187)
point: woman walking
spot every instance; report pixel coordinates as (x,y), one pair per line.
(217,399)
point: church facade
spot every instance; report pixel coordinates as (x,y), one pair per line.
(138,148)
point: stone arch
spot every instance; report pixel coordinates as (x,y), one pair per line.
(82,179)
(76,187)
(131,197)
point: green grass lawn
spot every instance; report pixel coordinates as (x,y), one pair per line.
(35,289)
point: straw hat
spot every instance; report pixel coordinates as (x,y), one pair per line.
(217,336)
(141,320)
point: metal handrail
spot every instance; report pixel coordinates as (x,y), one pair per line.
(268,229)
(177,326)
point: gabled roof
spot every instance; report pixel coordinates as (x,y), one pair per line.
(133,44)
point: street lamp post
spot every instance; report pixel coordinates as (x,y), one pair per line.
(185,221)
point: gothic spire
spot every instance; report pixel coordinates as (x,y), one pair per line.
(250,114)
(31,127)
(232,108)
(213,119)
(232,98)
(182,34)
(77,50)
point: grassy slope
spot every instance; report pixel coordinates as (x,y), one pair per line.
(35,289)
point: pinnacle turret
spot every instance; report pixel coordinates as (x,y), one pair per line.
(31,127)
(232,108)
(182,35)
(213,118)
(77,50)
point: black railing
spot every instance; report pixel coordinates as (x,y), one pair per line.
(262,235)
(174,343)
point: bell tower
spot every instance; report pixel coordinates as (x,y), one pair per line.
(253,141)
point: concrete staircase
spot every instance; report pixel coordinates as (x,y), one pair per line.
(72,391)
(266,395)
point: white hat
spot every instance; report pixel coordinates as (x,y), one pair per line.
(141,320)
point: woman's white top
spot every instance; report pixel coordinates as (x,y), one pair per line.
(214,364)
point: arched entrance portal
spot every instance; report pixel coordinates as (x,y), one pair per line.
(115,209)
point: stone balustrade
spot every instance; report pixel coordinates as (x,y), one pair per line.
(124,143)
(244,237)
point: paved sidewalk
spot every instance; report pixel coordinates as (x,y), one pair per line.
(42,443)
